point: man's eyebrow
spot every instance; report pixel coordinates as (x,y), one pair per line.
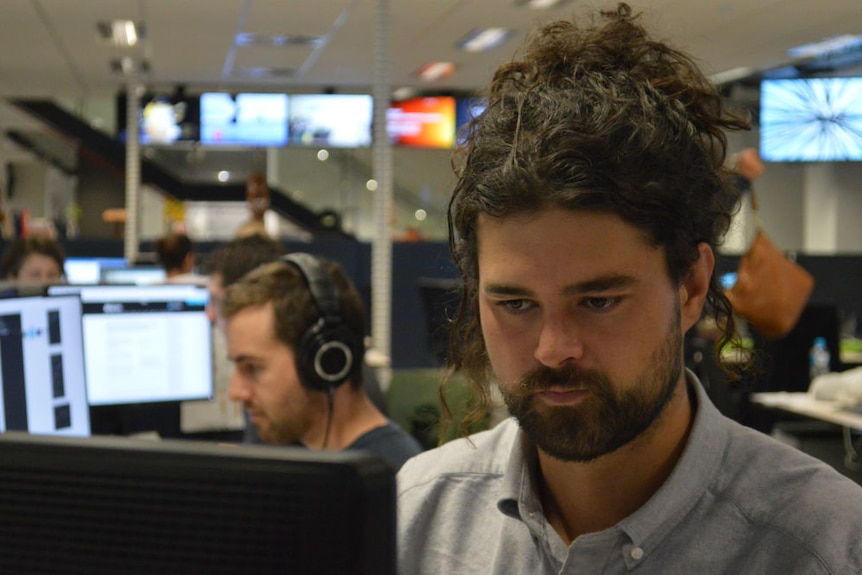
(504,289)
(599,284)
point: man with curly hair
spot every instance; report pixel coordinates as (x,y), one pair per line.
(591,197)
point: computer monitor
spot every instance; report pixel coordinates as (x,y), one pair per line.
(137,275)
(42,366)
(145,344)
(106,505)
(86,270)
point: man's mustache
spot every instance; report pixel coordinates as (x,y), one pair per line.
(569,377)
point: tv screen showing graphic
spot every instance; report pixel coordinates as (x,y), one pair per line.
(465,110)
(422,122)
(245,119)
(162,119)
(331,120)
(145,343)
(42,367)
(811,120)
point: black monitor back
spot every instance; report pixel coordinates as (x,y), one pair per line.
(440,302)
(116,505)
(785,361)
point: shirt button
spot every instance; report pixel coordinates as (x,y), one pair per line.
(637,553)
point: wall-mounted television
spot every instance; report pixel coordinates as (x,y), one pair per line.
(427,122)
(465,110)
(163,119)
(245,119)
(811,120)
(331,120)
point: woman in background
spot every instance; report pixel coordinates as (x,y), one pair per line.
(34,260)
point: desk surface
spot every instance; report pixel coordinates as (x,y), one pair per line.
(804,404)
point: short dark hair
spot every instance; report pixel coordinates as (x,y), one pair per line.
(598,118)
(19,248)
(295,311)
(241,255)
(172,250)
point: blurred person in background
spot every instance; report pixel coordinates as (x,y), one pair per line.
(34,260)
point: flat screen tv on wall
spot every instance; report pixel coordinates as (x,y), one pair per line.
(811,120)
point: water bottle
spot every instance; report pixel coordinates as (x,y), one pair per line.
(818,358)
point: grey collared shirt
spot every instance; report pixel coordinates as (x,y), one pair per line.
(738,502)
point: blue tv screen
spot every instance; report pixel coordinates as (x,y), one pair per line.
(244,119)
(336,120)
(811,120)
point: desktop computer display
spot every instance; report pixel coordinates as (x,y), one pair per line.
(81,270)
(42,366)
(106,505)
(145,343)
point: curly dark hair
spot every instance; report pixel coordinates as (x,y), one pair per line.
(600,118)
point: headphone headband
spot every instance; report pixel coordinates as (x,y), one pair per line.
(328,352)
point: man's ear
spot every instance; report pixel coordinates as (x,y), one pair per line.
(695,286)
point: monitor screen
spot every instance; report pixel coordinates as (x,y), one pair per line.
(163,119)
(138,275)
(145,344)
(422,122)
(244,119)
(42,366)
(465,110)
(336,120)
(80,270)
(811,120)
(103,505)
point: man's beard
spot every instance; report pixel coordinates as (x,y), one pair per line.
(608,418)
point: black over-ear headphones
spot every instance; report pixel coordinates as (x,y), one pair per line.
(328,351)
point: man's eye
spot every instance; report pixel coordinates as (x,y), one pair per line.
(600,303)
(249,369)
(515,304)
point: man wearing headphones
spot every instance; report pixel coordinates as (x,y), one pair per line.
(294,331)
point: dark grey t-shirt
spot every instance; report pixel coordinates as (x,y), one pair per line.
(390,442)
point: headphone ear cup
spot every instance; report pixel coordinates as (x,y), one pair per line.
(328,353)
(327,356)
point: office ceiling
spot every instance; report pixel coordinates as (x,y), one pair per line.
(51,49)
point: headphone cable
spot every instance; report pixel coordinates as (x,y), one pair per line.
(330,392)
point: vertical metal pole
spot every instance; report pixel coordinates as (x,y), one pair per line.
(381,253)
(133,169)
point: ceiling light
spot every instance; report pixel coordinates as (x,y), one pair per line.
(128,66)
(124,33)
(255,39)
(540,4)
(435,71)
(404,93)
(826,47)
(268,72)
(481,39)
(732,75)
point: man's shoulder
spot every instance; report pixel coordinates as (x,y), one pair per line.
(791,494)
(483,453)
